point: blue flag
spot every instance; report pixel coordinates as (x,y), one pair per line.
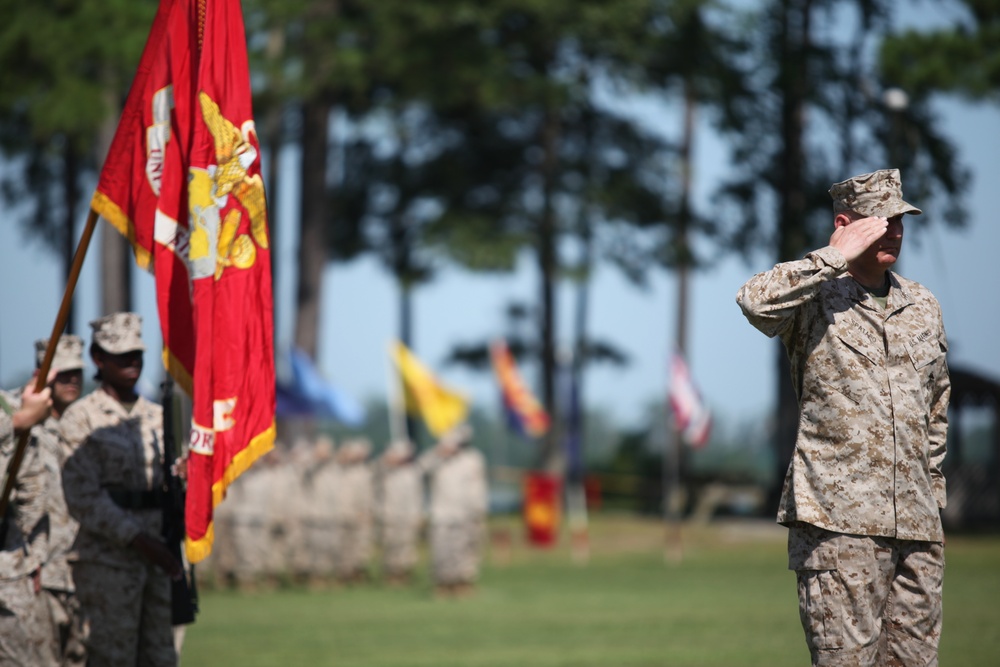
(309,394)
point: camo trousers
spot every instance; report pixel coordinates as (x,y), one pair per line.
(867,601)
(456,551)
(69,632)
(128,608)
(24,624)
(399,545)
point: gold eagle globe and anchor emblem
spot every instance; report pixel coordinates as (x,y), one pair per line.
(216,244)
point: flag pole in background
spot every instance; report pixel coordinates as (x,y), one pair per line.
(692,425)
(395,400)
(576,496)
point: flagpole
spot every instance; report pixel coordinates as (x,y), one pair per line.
(673,543)
(10,477)
(397,422)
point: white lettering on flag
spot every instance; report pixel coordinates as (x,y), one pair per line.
(202,440)
(157,136)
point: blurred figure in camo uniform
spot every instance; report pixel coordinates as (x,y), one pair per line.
(458,507)
(315,556)
(68,628)
(353,505)
(399,510)
(25,626)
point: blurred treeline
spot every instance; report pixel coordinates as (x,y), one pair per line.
(435,133)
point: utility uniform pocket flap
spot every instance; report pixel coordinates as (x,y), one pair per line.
(820,557)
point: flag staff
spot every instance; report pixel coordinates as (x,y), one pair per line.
(394,402)
(10,477)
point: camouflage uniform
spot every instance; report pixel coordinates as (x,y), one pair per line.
(352,500)
(285,484)
(25,627)
(399,509)
(68,627)
(112,479)
(457,509)
(315,560)
(246,514)
(864,488)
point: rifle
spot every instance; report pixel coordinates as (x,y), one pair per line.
(183,593)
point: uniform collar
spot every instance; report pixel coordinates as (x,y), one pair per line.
(899,296)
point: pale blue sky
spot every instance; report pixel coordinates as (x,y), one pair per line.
(733,363)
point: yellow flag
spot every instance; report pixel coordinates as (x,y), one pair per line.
(440,408)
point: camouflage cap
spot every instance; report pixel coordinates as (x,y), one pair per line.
(879,193)
(354,450)
(118,333)
(457,436)
(399,450)
(68,356)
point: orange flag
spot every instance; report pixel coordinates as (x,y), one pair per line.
(525,414)
(182,181)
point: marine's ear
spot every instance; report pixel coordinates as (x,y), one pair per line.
(842,219)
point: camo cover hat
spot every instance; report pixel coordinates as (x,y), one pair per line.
(457,436)
(118,333)
(879,193)
(69,353)
(354,450)
(399,450)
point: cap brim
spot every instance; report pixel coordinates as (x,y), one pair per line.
(898,207)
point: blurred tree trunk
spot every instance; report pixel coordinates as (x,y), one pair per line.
(550,457)
(314,218)
(795,45)
(115,256)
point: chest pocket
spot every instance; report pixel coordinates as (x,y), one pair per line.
(860,331)
(924,353)
(117,452)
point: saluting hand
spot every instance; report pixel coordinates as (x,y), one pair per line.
(853,239)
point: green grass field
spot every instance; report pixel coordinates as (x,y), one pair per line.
(728,602)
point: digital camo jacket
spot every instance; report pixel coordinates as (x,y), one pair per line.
(111,448)
(26,543)
(873,393)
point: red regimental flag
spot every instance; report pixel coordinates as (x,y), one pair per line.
(182,181)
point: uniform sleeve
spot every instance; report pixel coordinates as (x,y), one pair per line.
(938,424)
(6,420)
(73,430)
(770,300)
(26,543)
(428,461)
(478,492)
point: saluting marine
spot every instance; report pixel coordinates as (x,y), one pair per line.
(864,488)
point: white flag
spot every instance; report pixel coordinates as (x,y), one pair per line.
(691,416)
